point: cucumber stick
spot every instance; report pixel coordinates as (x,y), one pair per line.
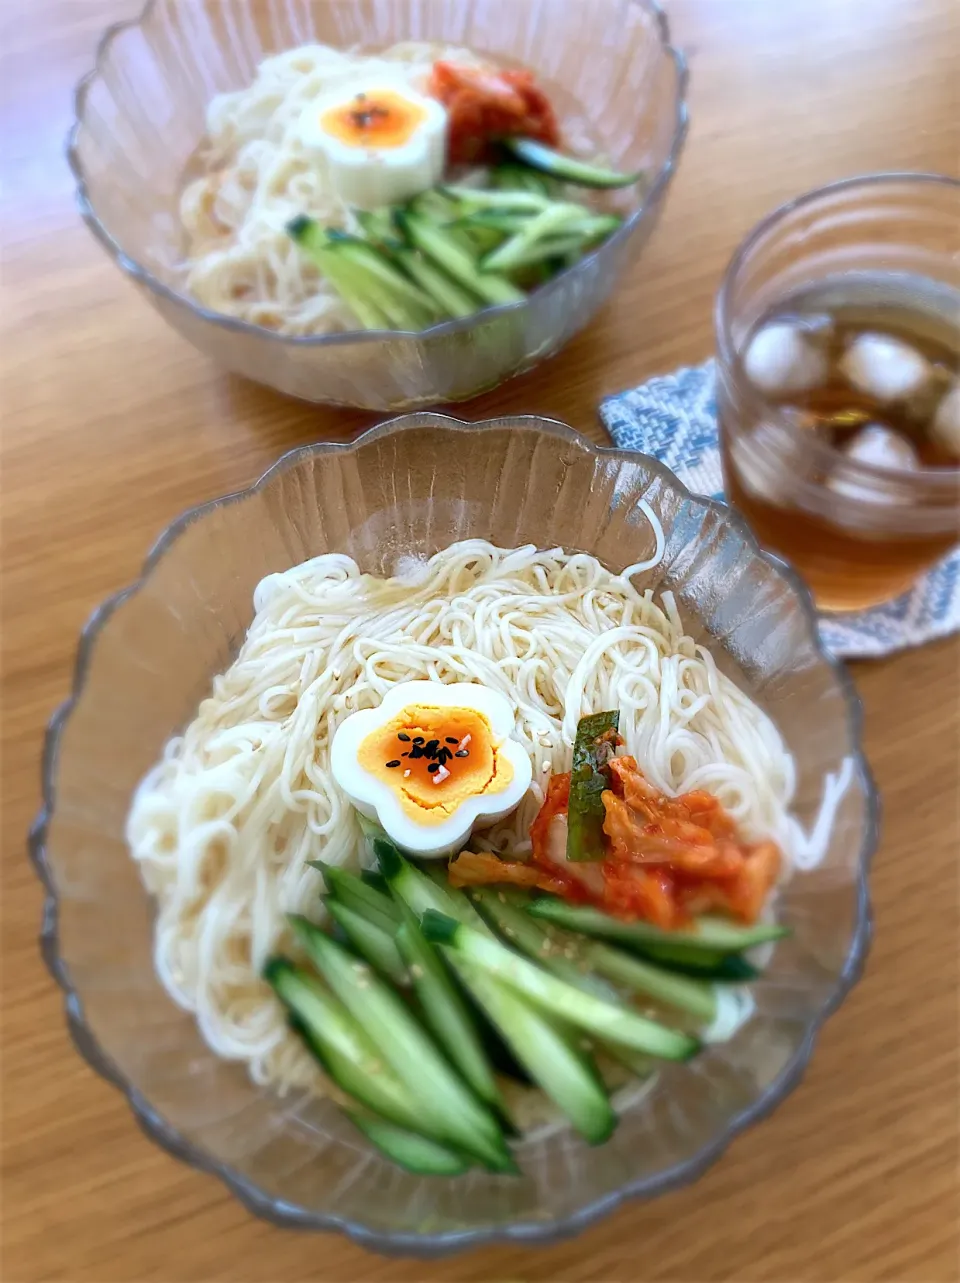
(445,291)
(563,958)
(341,1045)
(455,1115)
(549,222)
(358,894)
(370,941)
(414,1153)
(446,1013)
(445,250)
(695,997)
(567,1076)
(701,964)
(605,1020)
(567,168)
(588,963)
(716,935)
(420,891)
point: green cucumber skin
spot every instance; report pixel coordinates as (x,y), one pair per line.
(339,1044)
(457,1116)
(605,1020)
(568,169)
(414,1153)
(565,1075)
(371,942)
(446,1012)
(715,935)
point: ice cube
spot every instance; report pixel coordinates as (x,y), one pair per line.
(945,428)
(769,461)
(880,448)
(781,359)
(884,367)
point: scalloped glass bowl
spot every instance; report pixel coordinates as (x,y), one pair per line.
(140,116)
(147,658)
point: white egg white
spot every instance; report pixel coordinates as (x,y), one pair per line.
(379,801)
(367,176)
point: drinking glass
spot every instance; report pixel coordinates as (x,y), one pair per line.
(891,240)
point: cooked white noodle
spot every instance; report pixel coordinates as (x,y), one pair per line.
(241,261)
(224,824)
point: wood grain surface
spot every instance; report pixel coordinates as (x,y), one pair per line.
(112,425)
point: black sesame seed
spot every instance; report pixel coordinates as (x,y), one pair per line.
(404,738)
(418,739)
(434,766)
(463,752)
(451,739)
(394,763)
(430,748)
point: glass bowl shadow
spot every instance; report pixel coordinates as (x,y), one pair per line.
(147,657)
(140,116)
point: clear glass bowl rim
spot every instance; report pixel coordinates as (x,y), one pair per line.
(284,1213)
(943,481)
(142,276)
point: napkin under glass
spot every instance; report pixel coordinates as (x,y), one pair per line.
(674,418)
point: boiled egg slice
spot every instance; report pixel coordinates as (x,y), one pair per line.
(381,143)
(432,762)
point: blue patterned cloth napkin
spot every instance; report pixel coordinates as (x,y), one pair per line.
(674,418)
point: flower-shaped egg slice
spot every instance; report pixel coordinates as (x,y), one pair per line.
(432,762)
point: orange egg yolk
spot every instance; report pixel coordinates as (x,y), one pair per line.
(378,119)
(434,759)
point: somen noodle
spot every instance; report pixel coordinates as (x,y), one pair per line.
(224,824)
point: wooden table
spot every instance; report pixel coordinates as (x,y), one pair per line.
(112,426)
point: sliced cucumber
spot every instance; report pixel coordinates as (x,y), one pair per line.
(314,241)
(497,220)
(479,198)
(377,881)
(370,941)
(307,233)
(701,964)
(455,1114)
(518,178)
(567,1076)
(693,996)
(566,168)
(413,1153)
(445,292)
(605,1020)
(355,892)
(434,205)
(564,957)
(547,223)
(716,935)
(440,246)
(371,261)
(446,1013)
(381,296)
(341,1045)
(421,889)
(378,227)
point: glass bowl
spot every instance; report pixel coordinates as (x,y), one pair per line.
(147,657)
(140,115)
